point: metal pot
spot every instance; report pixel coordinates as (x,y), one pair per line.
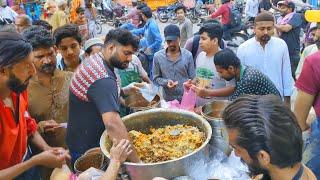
(212,112)
(142,121)
(136,102)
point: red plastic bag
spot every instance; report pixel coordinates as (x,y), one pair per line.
(188,101)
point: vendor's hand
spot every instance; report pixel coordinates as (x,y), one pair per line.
(130,90)
(172,85)
(120,151)
(140,85)
(201,92)
(50,158)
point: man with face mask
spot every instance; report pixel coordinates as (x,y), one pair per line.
(94,95)
(248,79)
(48,90)
(269,55)
(17,128)
(6,11)
(265,134)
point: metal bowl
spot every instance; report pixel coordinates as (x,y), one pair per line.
(142,121)
(212,112)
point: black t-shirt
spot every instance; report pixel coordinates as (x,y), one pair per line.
(85,124)
(292,38)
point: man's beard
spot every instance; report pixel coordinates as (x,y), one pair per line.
(265,38)
(172,48)
(47,68)
(115,62)
(16,85)
(256,169)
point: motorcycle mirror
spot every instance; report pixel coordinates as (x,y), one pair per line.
(312,15)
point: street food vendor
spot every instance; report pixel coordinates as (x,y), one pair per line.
(94,95)
(266,135)
(17,128)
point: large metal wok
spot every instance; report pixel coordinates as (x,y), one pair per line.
(142,121)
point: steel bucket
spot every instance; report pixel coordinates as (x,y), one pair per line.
(156,118)
(212,112)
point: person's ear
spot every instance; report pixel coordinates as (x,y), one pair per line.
(264,158)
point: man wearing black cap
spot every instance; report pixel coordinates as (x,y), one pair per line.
(173,65)
(288,27)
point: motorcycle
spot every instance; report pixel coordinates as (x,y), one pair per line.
(166,13)
(240,34)
(195,13)
(109,17)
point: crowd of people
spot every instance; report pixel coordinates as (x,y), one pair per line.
(57,71)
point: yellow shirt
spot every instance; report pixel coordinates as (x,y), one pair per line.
(59,18)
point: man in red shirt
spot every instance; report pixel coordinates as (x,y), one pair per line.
(224,12)
(17,128)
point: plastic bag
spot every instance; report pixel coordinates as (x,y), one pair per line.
(149,91)
(188,101)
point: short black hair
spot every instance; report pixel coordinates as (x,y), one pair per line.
(42,23)
(226,58)
(180,6)
(266,123)
(38,37)
(122,36)
(214,30)
(147,12)
(142,5)
(68,30)
(80,10)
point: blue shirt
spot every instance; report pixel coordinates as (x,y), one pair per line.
(151,36)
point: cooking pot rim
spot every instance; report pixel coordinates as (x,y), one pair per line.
(205,123)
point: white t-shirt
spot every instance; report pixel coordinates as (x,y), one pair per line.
(207,76)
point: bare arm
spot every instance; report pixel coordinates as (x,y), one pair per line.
(16,170)
(51,158)
(222,92)
(118,154)
(302,107)
(283,28)
(117,130)
(39,142)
